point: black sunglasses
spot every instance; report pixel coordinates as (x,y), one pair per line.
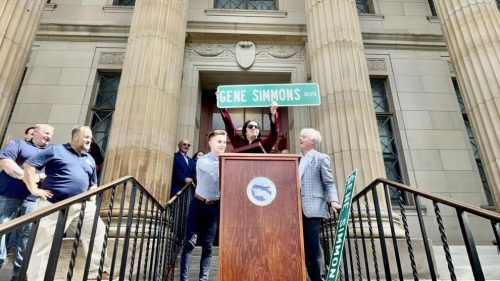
(253,127)
(186,144)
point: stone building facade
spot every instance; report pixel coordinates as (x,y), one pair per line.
(406,94)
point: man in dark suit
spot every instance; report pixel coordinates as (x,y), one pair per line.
(318,193)
(184,169)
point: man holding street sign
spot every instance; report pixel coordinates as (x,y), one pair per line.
(318,193)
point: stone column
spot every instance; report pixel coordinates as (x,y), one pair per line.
(346,117)
(144,130)
(471,31)
(19,21)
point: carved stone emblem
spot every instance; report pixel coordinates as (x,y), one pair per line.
(376,65)
(112,58)
(245,54)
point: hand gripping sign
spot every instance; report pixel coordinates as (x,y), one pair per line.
(338,244)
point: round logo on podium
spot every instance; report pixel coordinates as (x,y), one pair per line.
(261,191)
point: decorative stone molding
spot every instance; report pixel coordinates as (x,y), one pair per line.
(284,52)
(376,65)
(205,50)
(228,50)
(246,13)
(112,58)
(245,54)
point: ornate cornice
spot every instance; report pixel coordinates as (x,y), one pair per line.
(228,51)
(229,32)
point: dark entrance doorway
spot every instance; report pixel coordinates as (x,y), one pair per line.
(210,118)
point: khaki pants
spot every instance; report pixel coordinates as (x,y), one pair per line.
(45,236)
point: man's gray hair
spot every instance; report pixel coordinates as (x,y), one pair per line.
(38,126)
(78,128)
(314,134)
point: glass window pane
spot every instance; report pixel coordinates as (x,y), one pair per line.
(387,141)
(237,115)
(240,115)
(230,4)
(261,4)
(473,143)
(125,2)
(246,4)
(103,109)
(432,7)
(101,123)
(362,6)
(107,92)
(217,123)
(379,93)
(459,97)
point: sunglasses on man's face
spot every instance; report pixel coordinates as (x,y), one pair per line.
(186,144)
(253,127)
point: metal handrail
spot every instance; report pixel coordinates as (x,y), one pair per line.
(434,197)
(377,231)
(161,229)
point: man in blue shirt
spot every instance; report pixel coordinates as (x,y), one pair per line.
(15,198)
(203,212)
(70,171)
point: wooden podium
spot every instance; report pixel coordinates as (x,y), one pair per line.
(261,219)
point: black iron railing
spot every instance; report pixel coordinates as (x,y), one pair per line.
(404,248)
(142,243)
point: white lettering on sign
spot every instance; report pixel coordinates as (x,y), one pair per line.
(276,95)
(233,96)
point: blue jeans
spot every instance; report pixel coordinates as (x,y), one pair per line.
(10,208)
(315,259)
(202,220)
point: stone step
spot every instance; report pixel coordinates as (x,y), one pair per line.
(194,268)
(488,256)
(482,250)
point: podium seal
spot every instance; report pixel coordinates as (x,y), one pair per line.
(261,191)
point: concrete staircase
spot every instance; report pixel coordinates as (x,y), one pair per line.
(488,256)
(194,269)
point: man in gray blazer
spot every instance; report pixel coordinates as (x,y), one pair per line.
(318,192)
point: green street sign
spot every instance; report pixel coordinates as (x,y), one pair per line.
(339,239)
(238,96)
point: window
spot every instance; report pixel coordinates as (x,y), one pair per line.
(385,121)
(363,7)
(239,115)
(432,7)
(473,143)
(102,111)
(124,2)
(247,4)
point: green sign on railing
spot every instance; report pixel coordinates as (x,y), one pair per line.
(238,96)
(338,245)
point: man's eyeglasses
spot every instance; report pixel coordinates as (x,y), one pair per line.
(186,144)
(253,127)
